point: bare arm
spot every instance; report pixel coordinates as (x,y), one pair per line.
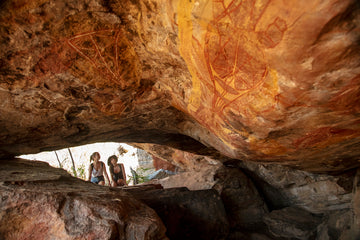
(123,172)
(89,173)
(111,175)
(105,173)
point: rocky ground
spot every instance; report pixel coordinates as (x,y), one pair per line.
(236,202)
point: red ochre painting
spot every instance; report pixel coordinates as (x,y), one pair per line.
(91,47)
(227,59)
(110,55)
(236,68)
(225,45)
(111,62)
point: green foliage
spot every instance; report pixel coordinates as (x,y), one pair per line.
(73,172)
(140,175)
(129,179)
(81,172)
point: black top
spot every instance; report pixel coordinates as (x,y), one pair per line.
(118,175)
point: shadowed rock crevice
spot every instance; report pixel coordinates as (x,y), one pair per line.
(259,197)
(187,214)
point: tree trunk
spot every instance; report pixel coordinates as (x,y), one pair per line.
(72,160)
(57,157)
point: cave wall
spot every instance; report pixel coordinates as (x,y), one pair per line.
(270,201)
(216,85)
(234,200)
(267,81)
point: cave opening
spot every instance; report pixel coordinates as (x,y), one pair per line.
(243,199)
(139,166)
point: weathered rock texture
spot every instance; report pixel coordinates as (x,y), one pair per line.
(187,214)
(41,202)
(194,172)
(264,201)
(316,193)
(266,80)
(244,205)
(269,81)
(292,223)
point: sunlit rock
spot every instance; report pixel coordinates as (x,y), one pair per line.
(269,80)
(208,82)
(41,202)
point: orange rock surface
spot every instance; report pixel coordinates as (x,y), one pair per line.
(270,81)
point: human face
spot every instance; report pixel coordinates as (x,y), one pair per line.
(96,157)
(113,161)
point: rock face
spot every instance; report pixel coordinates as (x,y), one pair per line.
(316,193)
(196,172)
(264,201)
(41,202)
(277,82)
(187,214)
(292,223)
(248,201)
(268,80)
(244,205)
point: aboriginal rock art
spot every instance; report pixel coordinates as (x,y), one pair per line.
(347,100)
(233,69)
(109,104)
(323,137)
(111,63)
(229,60)
(110,55)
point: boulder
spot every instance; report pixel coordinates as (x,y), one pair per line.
(244,206)
(41,202)
(249,190)
(187,214)
(315,193)
(292,223)
(336,226)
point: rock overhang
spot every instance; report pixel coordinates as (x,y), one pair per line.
(263,82)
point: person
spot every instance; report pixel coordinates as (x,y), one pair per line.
(97,170)
(117,172)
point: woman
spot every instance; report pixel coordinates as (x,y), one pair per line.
(117,172)
(97,170)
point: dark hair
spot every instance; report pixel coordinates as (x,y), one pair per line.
(109,159)
(93,155)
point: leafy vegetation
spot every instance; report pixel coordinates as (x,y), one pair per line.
(138,176)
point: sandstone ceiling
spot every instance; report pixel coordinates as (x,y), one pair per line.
(271,81)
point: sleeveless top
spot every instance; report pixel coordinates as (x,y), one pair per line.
(97,173)
(118,175)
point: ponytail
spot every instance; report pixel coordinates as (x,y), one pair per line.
(93,155)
